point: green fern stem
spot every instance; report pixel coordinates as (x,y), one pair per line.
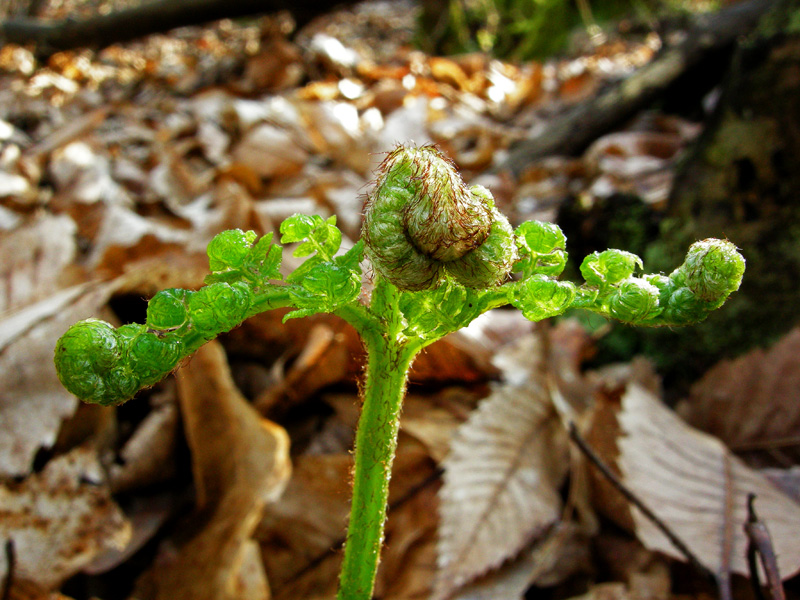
(389,358)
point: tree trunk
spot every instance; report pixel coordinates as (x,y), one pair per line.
(742,180)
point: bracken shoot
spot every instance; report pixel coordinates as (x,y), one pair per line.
(441,255)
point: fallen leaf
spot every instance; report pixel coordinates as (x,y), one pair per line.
(692,482)
(33,403)
(270,151)
(59,520)
(82,174)
(752,401)
(149,455)
(549,561)
(240,462)
(35,257)
(299,532)
(501,484)
(429,423)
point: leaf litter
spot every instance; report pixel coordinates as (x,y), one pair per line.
(117,167)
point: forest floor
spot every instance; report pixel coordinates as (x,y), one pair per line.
(116,169)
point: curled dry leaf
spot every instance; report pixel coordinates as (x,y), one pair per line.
(500,484)
(148,456)
(33,403)
(692,482)
(240,462)
(547,562)
(59,520)
(34,259)
(752,401)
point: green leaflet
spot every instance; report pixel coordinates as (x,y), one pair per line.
(103,365)
(430,314)
(540,297)
(713,269)
(541,248)
(609,267)
(326,286)
(232,257)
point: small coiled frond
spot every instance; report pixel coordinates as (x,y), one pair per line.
(713,269)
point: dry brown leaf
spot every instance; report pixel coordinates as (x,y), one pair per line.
(310,519)
(34,259)
(149,455)
(81,173)
(564,551)
(752,401)
(429,423)
(327,358)
(270,151)
(646,573)
(137,236)
(500,485)
(692,482)
(60,519)
(240,462)
(787,480)
(33,403)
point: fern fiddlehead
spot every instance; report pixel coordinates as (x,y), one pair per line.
(441,254)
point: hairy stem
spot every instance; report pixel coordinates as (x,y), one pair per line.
(388,361)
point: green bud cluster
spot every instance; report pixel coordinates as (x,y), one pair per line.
(713,269)
(104,365)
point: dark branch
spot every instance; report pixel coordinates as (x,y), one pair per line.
(759,544)
(152,17)
(631,497)
(573,131)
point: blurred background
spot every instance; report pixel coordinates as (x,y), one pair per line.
(132,132)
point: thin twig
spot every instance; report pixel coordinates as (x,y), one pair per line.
(11,559)
(759,543)
(615,481)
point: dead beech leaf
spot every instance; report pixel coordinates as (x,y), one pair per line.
(270,151)
(34,258)
(298,532)
(698,488)
(549,561)
(501,484)
(240,462)
(33,403)
(751,401)
(59,520)
(149,455)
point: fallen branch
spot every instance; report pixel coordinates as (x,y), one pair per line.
(760,546)
(573,131)
(615,481)
(150,17)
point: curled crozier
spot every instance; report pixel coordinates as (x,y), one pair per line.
(421,222)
